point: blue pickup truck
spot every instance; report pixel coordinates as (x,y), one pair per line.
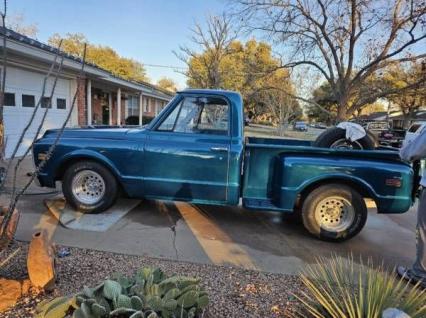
(195,151)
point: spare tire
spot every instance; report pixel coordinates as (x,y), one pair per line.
(336,138)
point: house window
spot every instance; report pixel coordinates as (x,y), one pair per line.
(145,105)
(9,99)
(61,103)
(132,106)
(28,100)
(45,102)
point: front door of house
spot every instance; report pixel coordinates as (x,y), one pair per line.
(105,114)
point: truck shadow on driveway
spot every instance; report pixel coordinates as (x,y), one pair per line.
(268,241)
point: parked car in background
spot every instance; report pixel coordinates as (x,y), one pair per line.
(377,127)
(320,126)
(415,129)
(300,126)
(384,134)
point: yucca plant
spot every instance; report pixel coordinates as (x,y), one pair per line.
(340,288)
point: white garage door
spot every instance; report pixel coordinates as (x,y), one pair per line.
(23,90)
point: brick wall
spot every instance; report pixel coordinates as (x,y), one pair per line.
(114,110)
(81,101)
(97,111)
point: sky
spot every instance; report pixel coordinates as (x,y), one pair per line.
(145,30)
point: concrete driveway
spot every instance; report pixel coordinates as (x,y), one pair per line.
(225,235)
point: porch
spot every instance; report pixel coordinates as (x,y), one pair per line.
(107,104)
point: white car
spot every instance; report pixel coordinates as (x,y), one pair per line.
(415,129)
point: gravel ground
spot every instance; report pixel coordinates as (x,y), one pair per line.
(233,292)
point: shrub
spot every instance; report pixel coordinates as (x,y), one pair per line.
(149,293)
(339,288)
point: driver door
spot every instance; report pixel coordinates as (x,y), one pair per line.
(187,154)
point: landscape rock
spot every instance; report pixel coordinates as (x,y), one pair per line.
(13,223)
(11,290)
(41,261)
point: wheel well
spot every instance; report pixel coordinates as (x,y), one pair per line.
(361,189)
(64,166)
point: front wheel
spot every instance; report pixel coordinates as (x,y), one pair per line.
(89,187)
(334,212)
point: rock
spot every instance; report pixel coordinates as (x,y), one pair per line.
(13,223)
(10,292)
(26,286)
(394,313)
(41,261)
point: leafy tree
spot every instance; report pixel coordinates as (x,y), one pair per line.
(103,56)
(248,68)
(322,96)
(345,42)
(409,101)
(167,84)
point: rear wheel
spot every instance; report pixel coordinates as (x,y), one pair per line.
(89,187)
(334,212)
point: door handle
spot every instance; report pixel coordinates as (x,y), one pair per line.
(219,149)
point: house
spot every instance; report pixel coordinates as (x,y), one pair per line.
(402,122)
(103,99)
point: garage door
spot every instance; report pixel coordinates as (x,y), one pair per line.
(23,90)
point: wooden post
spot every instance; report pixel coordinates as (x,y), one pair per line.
(110,107)
(119,106)
(141,109)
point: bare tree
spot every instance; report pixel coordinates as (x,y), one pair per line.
(16,194)
(214,41)
(18,24)
(346,41)
(3,14)
(282,107)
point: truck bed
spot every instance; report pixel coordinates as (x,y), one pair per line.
(277,170)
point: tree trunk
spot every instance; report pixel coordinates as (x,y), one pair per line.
(341,113)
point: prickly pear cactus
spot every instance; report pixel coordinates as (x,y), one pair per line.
(149,293)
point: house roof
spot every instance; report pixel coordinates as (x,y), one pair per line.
(420,115)
(139,85)
(373,116)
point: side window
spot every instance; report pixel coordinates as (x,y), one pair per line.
(61,103)
(28,100)
(200,115)
(169,123)
(9,99)
(45,102)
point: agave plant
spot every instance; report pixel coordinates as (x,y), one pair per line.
(340,288)
(147,294)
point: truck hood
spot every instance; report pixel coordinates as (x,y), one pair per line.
(93,133)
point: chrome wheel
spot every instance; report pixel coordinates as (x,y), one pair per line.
(88,187)
(346,144)
(334,214)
